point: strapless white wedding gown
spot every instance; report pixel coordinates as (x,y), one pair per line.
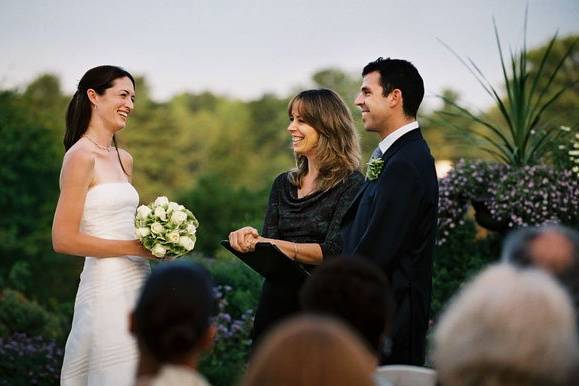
(100,350)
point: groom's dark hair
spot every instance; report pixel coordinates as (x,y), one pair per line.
(402,75)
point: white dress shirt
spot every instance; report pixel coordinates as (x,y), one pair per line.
(393,136)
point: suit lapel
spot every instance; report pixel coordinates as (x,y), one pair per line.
(393,149)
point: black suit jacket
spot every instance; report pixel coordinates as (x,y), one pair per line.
(392,222)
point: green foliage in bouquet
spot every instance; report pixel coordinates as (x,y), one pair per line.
(167,229)
(521,135)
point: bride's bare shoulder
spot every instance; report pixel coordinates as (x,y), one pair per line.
(78,162)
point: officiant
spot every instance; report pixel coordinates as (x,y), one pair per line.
(307,203)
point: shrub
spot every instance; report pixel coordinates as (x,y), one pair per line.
(242,283)
(516,196)
(29,361)
(226,362)
(20,315)
(458,259)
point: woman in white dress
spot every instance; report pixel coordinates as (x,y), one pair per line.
(95,218)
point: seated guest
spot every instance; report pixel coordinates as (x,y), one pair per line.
(553,248)
(507,327)
(308,351)
(171,323)
(357,293)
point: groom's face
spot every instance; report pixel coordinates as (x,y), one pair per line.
(373,104)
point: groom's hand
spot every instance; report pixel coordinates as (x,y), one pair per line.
(244,239)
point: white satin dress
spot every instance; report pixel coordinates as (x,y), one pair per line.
(99,349)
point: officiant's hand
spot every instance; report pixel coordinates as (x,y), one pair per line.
(244,239)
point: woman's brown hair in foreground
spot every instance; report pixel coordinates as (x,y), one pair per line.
(310,350)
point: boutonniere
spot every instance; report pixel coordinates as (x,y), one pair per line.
(374,168)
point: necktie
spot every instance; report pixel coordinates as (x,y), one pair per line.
(376,154)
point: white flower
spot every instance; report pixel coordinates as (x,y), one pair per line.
(186,242)
(143,211)
(173,237)
(143,232)
(178,217)
(173,206)
(575,169)
(191,229)
(565,128)
(162,200)
(573,152)
(160,213)
(157,228)
(158,250)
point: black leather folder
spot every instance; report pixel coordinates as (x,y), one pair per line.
(270,262)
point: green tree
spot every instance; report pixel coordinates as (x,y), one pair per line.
(221,209)
(28,195)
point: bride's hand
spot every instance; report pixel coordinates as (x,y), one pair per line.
(244,239)
(140,250)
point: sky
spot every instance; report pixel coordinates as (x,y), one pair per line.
(245,48)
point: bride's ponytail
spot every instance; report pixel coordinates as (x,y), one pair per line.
(79,109)
(78,116)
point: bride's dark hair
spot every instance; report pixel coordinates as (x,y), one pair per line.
(79,109)
(174,310)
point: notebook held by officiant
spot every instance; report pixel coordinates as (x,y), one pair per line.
(270,262)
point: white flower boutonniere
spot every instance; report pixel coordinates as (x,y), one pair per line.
(374,168)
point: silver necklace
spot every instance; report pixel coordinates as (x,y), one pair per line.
(105,148)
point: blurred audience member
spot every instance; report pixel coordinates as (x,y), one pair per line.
(172,325)
(553,248)
(308,351)
(356,292)
(507,327)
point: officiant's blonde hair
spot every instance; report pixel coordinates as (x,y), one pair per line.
(338,148)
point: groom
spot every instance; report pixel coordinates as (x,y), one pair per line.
(392,220)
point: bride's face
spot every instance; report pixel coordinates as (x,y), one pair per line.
(115,105)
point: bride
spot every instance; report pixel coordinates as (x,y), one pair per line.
(95,218)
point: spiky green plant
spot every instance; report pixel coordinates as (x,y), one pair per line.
(521,136)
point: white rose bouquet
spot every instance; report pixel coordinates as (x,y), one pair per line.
(166,228)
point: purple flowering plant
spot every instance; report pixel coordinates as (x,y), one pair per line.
(29,360)
(226,361)
(515,196)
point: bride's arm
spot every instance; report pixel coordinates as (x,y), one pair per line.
(76,176)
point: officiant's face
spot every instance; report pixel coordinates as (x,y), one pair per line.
(373,104)
(304,137)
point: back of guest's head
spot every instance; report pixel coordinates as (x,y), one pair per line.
(338,148)
(308,350)
(172,316)
(402,75)
(554,248)
(354,291)
(507,327)
(79,110)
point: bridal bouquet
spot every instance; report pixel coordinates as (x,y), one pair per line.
(166,228)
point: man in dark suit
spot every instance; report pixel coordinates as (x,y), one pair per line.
(392,220)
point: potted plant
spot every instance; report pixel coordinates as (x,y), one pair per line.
(519,139)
